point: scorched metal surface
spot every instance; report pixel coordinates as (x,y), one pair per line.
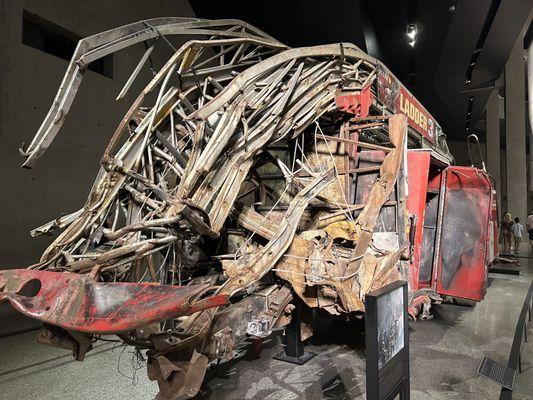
(80,303)
(464,233)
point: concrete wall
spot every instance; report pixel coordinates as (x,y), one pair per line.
(29,79)
(515,131)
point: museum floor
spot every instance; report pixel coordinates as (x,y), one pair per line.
(445,353)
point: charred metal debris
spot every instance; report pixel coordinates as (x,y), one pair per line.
(244,175)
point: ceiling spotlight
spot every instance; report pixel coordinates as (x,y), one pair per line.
(412,31)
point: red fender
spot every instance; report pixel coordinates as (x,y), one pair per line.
(79,303)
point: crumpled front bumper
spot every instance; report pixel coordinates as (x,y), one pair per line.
(79,303)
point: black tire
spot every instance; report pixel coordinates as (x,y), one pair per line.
(465,303)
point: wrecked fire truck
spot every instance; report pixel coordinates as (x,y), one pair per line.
(247,175)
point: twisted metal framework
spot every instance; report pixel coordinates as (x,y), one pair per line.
(242,175)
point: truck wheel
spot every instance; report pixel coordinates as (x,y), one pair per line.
(465,303)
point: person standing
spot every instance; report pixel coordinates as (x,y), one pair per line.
(517,229)
(505,230)
(529,227)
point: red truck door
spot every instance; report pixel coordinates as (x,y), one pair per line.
(418,170)
(463,233)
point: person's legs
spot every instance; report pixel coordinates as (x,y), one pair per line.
(508,243)
(504,240)
(505,243)
(517,241)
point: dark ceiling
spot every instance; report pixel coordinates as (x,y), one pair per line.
(435,70)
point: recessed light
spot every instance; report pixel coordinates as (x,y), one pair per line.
(411,33)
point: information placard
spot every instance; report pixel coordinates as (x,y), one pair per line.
(387,343)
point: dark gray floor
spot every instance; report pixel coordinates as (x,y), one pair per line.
(445,353)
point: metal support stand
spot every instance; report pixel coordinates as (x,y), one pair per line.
(294,352)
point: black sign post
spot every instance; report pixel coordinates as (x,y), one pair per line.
(294,351)
(387,343)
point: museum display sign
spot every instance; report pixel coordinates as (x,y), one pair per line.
(387,343)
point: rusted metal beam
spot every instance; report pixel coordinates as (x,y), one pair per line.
(357,142)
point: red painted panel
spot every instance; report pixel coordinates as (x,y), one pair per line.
(79,303)
(358,103)
(418,171)
(461,264)
(398,99)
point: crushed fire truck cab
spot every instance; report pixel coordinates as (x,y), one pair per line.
(453,226)
(451,237)
(245,175)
